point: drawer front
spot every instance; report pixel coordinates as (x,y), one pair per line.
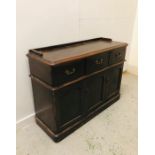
(117,55)
(96,62)
(67,72)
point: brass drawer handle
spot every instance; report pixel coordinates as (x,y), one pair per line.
(70,72)
(99,62)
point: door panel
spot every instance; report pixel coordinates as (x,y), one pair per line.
(94,93)
(79,99)
(69,100)
(112,82)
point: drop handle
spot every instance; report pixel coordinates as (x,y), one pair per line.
(100,61)
(70,72)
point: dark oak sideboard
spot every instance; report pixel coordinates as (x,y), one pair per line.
(73,82)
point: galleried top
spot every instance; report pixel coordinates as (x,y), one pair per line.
(57,54)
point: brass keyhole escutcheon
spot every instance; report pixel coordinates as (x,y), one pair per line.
(118,55)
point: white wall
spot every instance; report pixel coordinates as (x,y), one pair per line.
(133,55)
(44,23)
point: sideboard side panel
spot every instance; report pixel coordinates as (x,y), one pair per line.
(40,70)
(44,103)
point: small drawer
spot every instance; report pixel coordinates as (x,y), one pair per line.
(97,62)
(117,55)
(67,72)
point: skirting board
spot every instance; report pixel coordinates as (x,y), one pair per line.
(25,118)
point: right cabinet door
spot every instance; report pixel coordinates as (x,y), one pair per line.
(93,92)
(112,82)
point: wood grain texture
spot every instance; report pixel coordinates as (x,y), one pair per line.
(74,82)
(78,50)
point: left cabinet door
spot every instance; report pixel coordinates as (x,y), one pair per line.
(69,102)
(93,92)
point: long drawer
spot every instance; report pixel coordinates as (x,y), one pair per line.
(67,72)
(58,74)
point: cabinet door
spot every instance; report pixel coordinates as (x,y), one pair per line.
(112,82)
(93,92)
(69,104)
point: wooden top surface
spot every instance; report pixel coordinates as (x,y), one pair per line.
(72,51)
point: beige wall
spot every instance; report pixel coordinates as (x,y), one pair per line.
(44,23)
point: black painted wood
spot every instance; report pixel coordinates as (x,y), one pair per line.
(97,62)
(67,72)
(112,81)
(117,55)
(68,94)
